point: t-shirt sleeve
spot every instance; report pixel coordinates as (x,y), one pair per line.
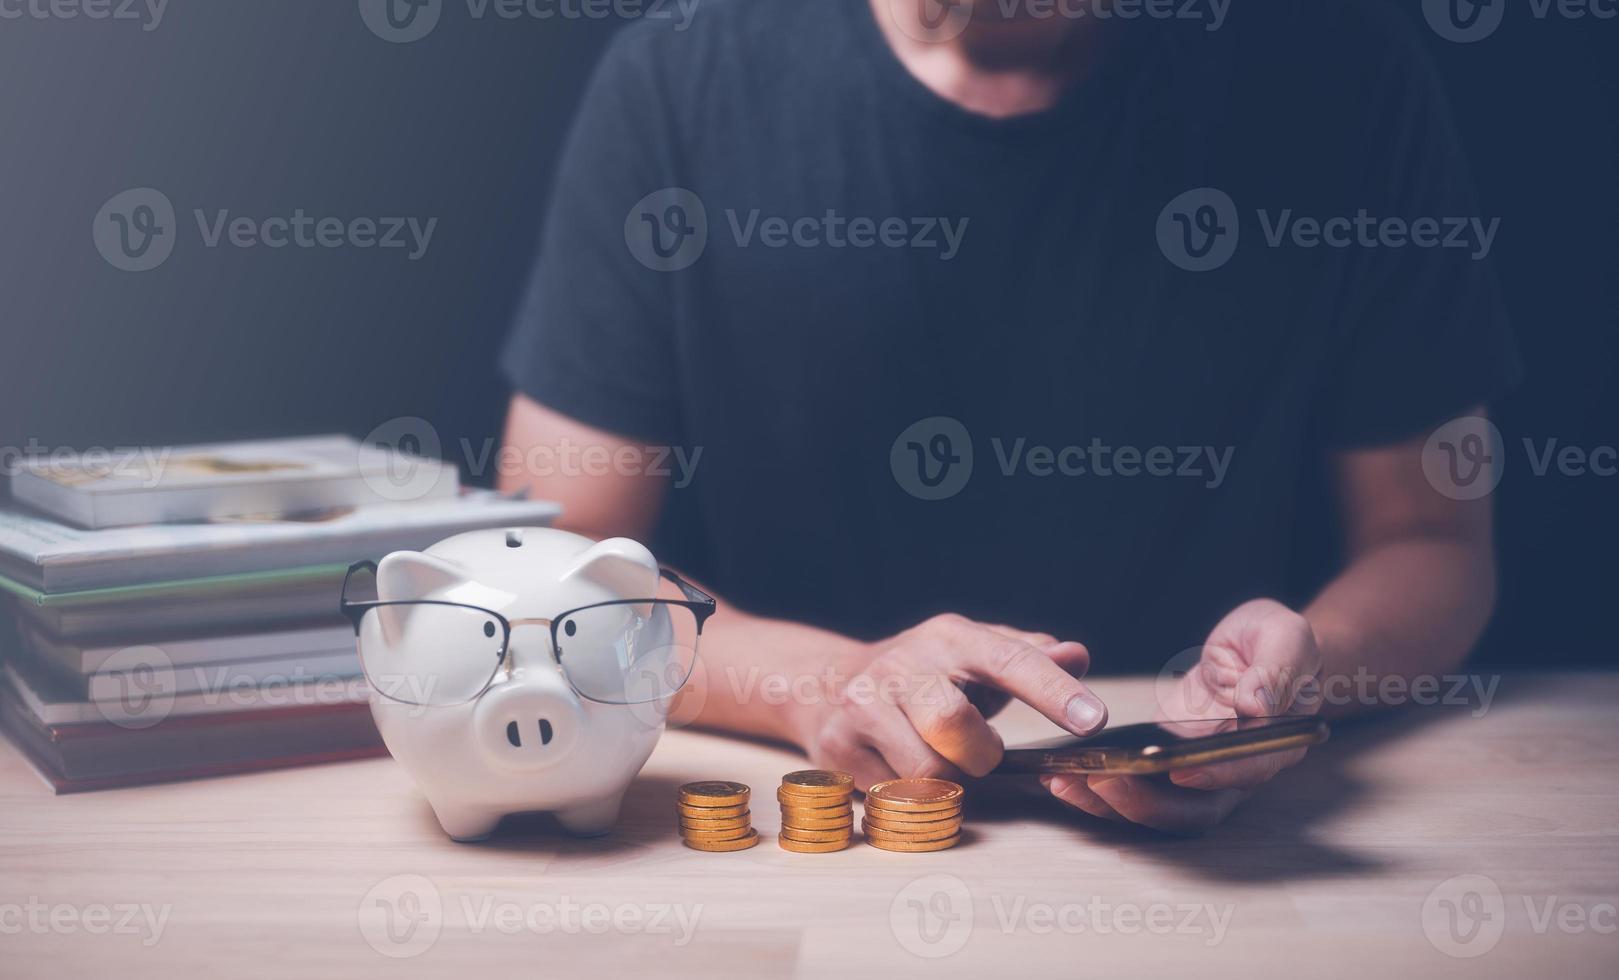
(592,337)
(1423,330)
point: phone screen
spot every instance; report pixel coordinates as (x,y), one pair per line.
(1157,745)
(1158,733)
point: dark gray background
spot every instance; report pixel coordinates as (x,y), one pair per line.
(263,106)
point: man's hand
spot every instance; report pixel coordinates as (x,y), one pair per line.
(917,704)
(1255,664)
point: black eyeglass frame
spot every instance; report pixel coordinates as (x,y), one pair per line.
(700,603)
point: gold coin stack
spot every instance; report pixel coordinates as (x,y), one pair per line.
(816,813)
(913,815)
(714,816)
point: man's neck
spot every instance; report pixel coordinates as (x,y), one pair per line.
(974,55)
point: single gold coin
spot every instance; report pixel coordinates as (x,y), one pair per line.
(816,836)
(910,826)
(818,782)
(811,802)
(714,823)
(872,803)
(708,812)
(824,804)
(821,812)
(892,827)
(714,792)
(825,801)
(716,835)
(813,847)
(737,844)
(923,835)
(817,823)
(911,816)
(712,812)
(926,845)
(917,795)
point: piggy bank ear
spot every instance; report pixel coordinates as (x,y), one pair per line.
(410,575)
(620,565)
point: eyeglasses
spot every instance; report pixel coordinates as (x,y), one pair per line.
(435,653)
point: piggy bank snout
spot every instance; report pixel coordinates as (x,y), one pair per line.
(526,725)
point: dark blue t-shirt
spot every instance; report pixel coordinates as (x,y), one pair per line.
(1067,371)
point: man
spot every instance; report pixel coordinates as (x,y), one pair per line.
(981,317)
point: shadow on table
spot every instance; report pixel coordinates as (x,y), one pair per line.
(647,818)
(1272,836)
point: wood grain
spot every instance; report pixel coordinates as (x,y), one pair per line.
(1325,873)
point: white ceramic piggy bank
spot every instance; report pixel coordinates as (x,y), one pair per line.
(529,741)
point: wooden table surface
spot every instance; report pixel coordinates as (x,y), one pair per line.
(1445,841)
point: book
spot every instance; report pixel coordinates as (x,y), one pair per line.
(77,758)
(47,556)
(268,477)
(256,600)
(221,666)
(52,700)
(225,681)
(336,636)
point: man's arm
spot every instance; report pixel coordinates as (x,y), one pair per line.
(539,443)
(1420,583)
(914,704)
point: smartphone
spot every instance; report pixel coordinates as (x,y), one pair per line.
(1163,746)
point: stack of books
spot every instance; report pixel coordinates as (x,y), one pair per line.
(210,643)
